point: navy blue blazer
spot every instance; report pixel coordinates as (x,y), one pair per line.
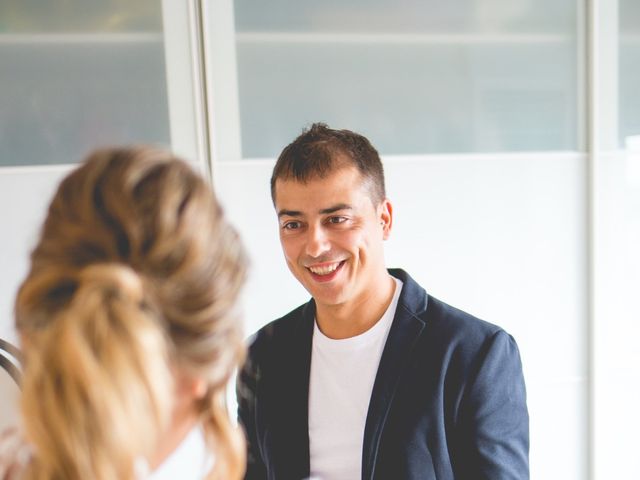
(448,401)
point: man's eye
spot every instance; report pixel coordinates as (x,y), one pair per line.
(337,219)
(291,225)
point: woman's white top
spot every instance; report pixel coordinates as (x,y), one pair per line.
(191,460)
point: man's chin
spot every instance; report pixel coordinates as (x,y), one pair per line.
(325,298)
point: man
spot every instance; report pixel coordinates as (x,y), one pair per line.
(373,378)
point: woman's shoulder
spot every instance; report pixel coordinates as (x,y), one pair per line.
(15,454)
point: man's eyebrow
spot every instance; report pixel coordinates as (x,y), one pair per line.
(289,213)
(324,211)
(336,208)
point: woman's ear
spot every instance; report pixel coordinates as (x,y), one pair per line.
(190,387)
(198,388)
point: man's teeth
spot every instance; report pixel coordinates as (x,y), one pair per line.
(326,269)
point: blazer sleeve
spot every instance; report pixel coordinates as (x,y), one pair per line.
(246,391)
(493,426)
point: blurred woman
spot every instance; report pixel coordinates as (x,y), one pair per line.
(128,328)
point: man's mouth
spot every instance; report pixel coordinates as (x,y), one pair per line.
(325,271)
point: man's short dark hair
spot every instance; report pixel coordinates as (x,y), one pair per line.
(320,150)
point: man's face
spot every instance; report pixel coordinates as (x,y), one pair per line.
(332,234)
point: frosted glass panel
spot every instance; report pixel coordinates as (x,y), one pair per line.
(629,69)
(80,16)
(414,76)
(76,75)
(406,16)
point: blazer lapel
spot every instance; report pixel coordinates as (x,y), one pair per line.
(403,336)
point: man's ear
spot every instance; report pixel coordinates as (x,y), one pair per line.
(386,218)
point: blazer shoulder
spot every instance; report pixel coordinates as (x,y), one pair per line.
(458,326)
(438,316)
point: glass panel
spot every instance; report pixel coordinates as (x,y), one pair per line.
(414,76)
(47,16)
(406,16)
(629,14)
(78,75)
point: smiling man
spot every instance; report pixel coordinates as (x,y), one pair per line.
(373,378)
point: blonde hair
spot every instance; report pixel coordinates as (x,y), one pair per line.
(136,273)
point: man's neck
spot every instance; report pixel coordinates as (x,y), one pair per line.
(359,315)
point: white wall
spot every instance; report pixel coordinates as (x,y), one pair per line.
(500,236)
(616,329)
(24,196)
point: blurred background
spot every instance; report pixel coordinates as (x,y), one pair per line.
(509,132)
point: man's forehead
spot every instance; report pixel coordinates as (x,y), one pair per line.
(342,187)
(305,198)
(342,180)
(335,176)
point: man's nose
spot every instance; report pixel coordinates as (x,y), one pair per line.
(317,242)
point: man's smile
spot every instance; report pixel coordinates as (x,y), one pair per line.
(324,272)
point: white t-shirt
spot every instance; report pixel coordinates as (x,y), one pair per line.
(340,384)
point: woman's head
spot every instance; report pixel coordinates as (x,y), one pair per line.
(131,290)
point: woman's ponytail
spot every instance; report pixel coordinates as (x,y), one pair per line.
(97,384)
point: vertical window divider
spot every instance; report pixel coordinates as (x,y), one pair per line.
(220,66)
(183,72)
(588,145)
(198,50)
(602,141)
